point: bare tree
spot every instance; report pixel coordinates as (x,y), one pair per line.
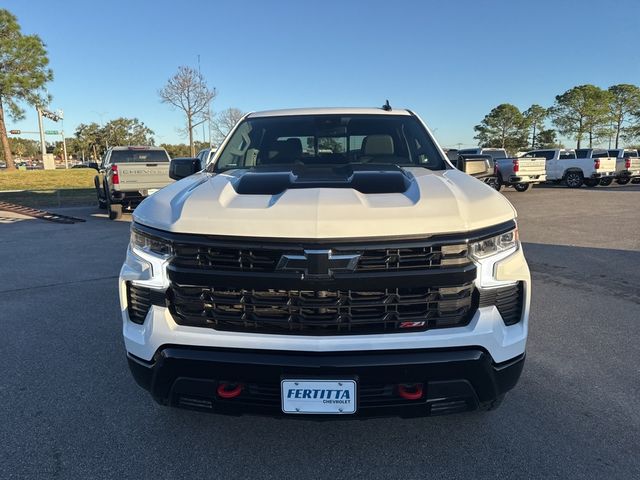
(223,122)
(188,91)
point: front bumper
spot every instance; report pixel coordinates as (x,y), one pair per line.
(462,367)
(454,379)
(486,329)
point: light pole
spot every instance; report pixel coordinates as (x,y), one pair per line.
(43,146)
(64,142)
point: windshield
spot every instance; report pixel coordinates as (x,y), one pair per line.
(630,153)
(314,140)
(138,156)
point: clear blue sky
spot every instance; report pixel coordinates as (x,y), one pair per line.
(450,61)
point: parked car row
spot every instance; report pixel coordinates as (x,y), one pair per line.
(127,175)
(587,166)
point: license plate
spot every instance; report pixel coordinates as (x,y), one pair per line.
(318,396)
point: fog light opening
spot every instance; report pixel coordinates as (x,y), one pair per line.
(410,391)
(228,390)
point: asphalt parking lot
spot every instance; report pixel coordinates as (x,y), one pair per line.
(70,409)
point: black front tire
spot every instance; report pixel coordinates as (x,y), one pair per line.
(623,180)
(591,182)
(574,179)
(522,187)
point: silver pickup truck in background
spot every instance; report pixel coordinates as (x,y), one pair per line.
(520,173)
(128,175)
(627,166)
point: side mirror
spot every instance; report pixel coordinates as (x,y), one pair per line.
(183,167)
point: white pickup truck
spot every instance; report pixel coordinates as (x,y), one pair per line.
(128,175)
(327,262)
(519,173)
(627,166)
(578,167)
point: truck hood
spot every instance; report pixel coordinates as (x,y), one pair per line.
(432,203)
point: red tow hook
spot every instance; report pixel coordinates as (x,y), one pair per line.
(229,390)
(410,391)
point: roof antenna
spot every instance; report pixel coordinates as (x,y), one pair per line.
(386,107)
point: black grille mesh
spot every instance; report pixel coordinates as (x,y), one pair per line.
(265,259)
(322,312)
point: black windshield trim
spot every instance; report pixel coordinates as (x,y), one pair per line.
(445,165)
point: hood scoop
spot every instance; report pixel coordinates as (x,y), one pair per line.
(363,178)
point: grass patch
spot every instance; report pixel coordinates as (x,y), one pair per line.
(78,178)
(51,198)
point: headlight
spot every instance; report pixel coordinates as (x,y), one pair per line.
(494,245)
(150,244)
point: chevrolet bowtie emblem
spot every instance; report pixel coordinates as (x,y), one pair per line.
(318,263)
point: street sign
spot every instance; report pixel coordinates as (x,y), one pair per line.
(51,132)
(14,132)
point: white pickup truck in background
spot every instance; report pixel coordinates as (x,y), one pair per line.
(128,175)
(576,168)
(627,166)
(520,173)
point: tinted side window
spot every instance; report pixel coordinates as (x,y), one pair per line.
(103,163)
(495,154)
(546,154)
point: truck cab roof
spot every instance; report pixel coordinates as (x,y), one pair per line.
(328,111)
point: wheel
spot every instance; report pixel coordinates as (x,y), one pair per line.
(102,204)
(605,182)
(522,187)
(115,211)
(574,179)
(623,180)
(591,182)
(492,182)
(497,184)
